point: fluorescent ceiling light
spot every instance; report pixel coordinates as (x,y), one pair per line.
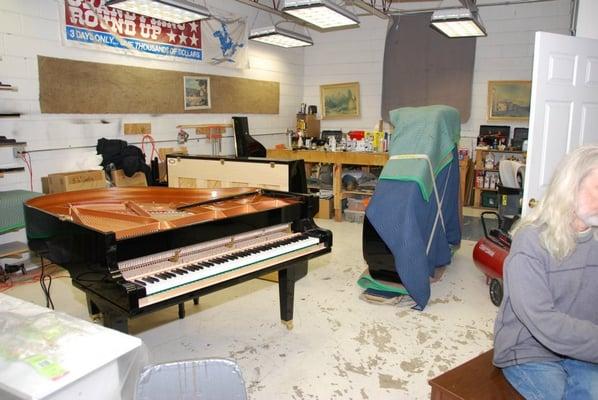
(321,13)
(280,37)
(456,23)
(175,11)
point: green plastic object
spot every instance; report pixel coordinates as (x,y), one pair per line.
(366,281)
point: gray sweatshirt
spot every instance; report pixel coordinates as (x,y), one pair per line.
(550,308)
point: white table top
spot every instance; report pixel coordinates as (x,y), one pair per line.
(42,351)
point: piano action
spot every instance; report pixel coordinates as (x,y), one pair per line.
(133,251)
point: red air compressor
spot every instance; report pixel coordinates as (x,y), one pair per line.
(489,255)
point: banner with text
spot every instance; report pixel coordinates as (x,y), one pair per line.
(222,39)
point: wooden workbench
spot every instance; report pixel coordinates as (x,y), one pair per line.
(337,159)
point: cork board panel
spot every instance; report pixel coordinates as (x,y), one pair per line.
(80,87)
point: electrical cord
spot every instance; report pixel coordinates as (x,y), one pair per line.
(15,280)
(24,155)
(152,142)
(43,278)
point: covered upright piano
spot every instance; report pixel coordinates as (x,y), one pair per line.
(136,250)
(412,222)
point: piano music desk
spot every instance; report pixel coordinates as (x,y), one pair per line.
(51,355)
(337,159)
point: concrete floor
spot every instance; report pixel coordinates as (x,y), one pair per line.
(340,347)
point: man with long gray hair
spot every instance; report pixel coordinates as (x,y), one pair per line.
(546,331)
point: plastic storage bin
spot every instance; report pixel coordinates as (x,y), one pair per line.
(354,216)
(357,203)
(207,379)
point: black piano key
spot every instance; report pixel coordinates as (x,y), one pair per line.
(141,283)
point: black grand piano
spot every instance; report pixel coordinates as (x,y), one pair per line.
(136,250)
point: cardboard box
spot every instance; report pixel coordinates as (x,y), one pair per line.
(121,180)
(77,180)
(45,185)
(326,209)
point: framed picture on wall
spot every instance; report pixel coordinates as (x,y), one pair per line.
(196,92)
(340,100)
(509,100)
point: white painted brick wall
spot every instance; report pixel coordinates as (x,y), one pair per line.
(29,28)
(505,54)
(352,55)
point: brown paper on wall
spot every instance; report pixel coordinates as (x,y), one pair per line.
(80,87)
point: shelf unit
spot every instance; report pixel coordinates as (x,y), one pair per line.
(13,249)
(7,87)
(8,170)
(338,159)
(10,88)
(483,180)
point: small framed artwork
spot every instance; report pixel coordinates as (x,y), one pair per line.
(196,92)
(340,100)
(509,100)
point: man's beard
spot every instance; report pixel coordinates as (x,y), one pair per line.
(589,220)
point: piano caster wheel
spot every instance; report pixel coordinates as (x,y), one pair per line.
(288,324)
(97,318)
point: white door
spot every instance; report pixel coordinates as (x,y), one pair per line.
(564,106)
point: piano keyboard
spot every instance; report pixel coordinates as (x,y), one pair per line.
(173,273)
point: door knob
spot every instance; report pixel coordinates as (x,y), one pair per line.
(532,203)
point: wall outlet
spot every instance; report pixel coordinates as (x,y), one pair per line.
(17,150)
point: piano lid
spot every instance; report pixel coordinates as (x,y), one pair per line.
(130,212)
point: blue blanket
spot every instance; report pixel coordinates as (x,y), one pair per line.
(404,220)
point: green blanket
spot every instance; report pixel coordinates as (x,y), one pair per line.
(431,130)
(11,209)
(367,282)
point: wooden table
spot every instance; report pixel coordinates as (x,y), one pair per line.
(477,379)
(337,159)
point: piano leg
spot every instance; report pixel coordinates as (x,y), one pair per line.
(111,318)
(286,293)
(92,309)
(116,321)
(181,310)
(196,300)
(286,290)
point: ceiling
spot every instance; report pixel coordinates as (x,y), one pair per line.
(385,8)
